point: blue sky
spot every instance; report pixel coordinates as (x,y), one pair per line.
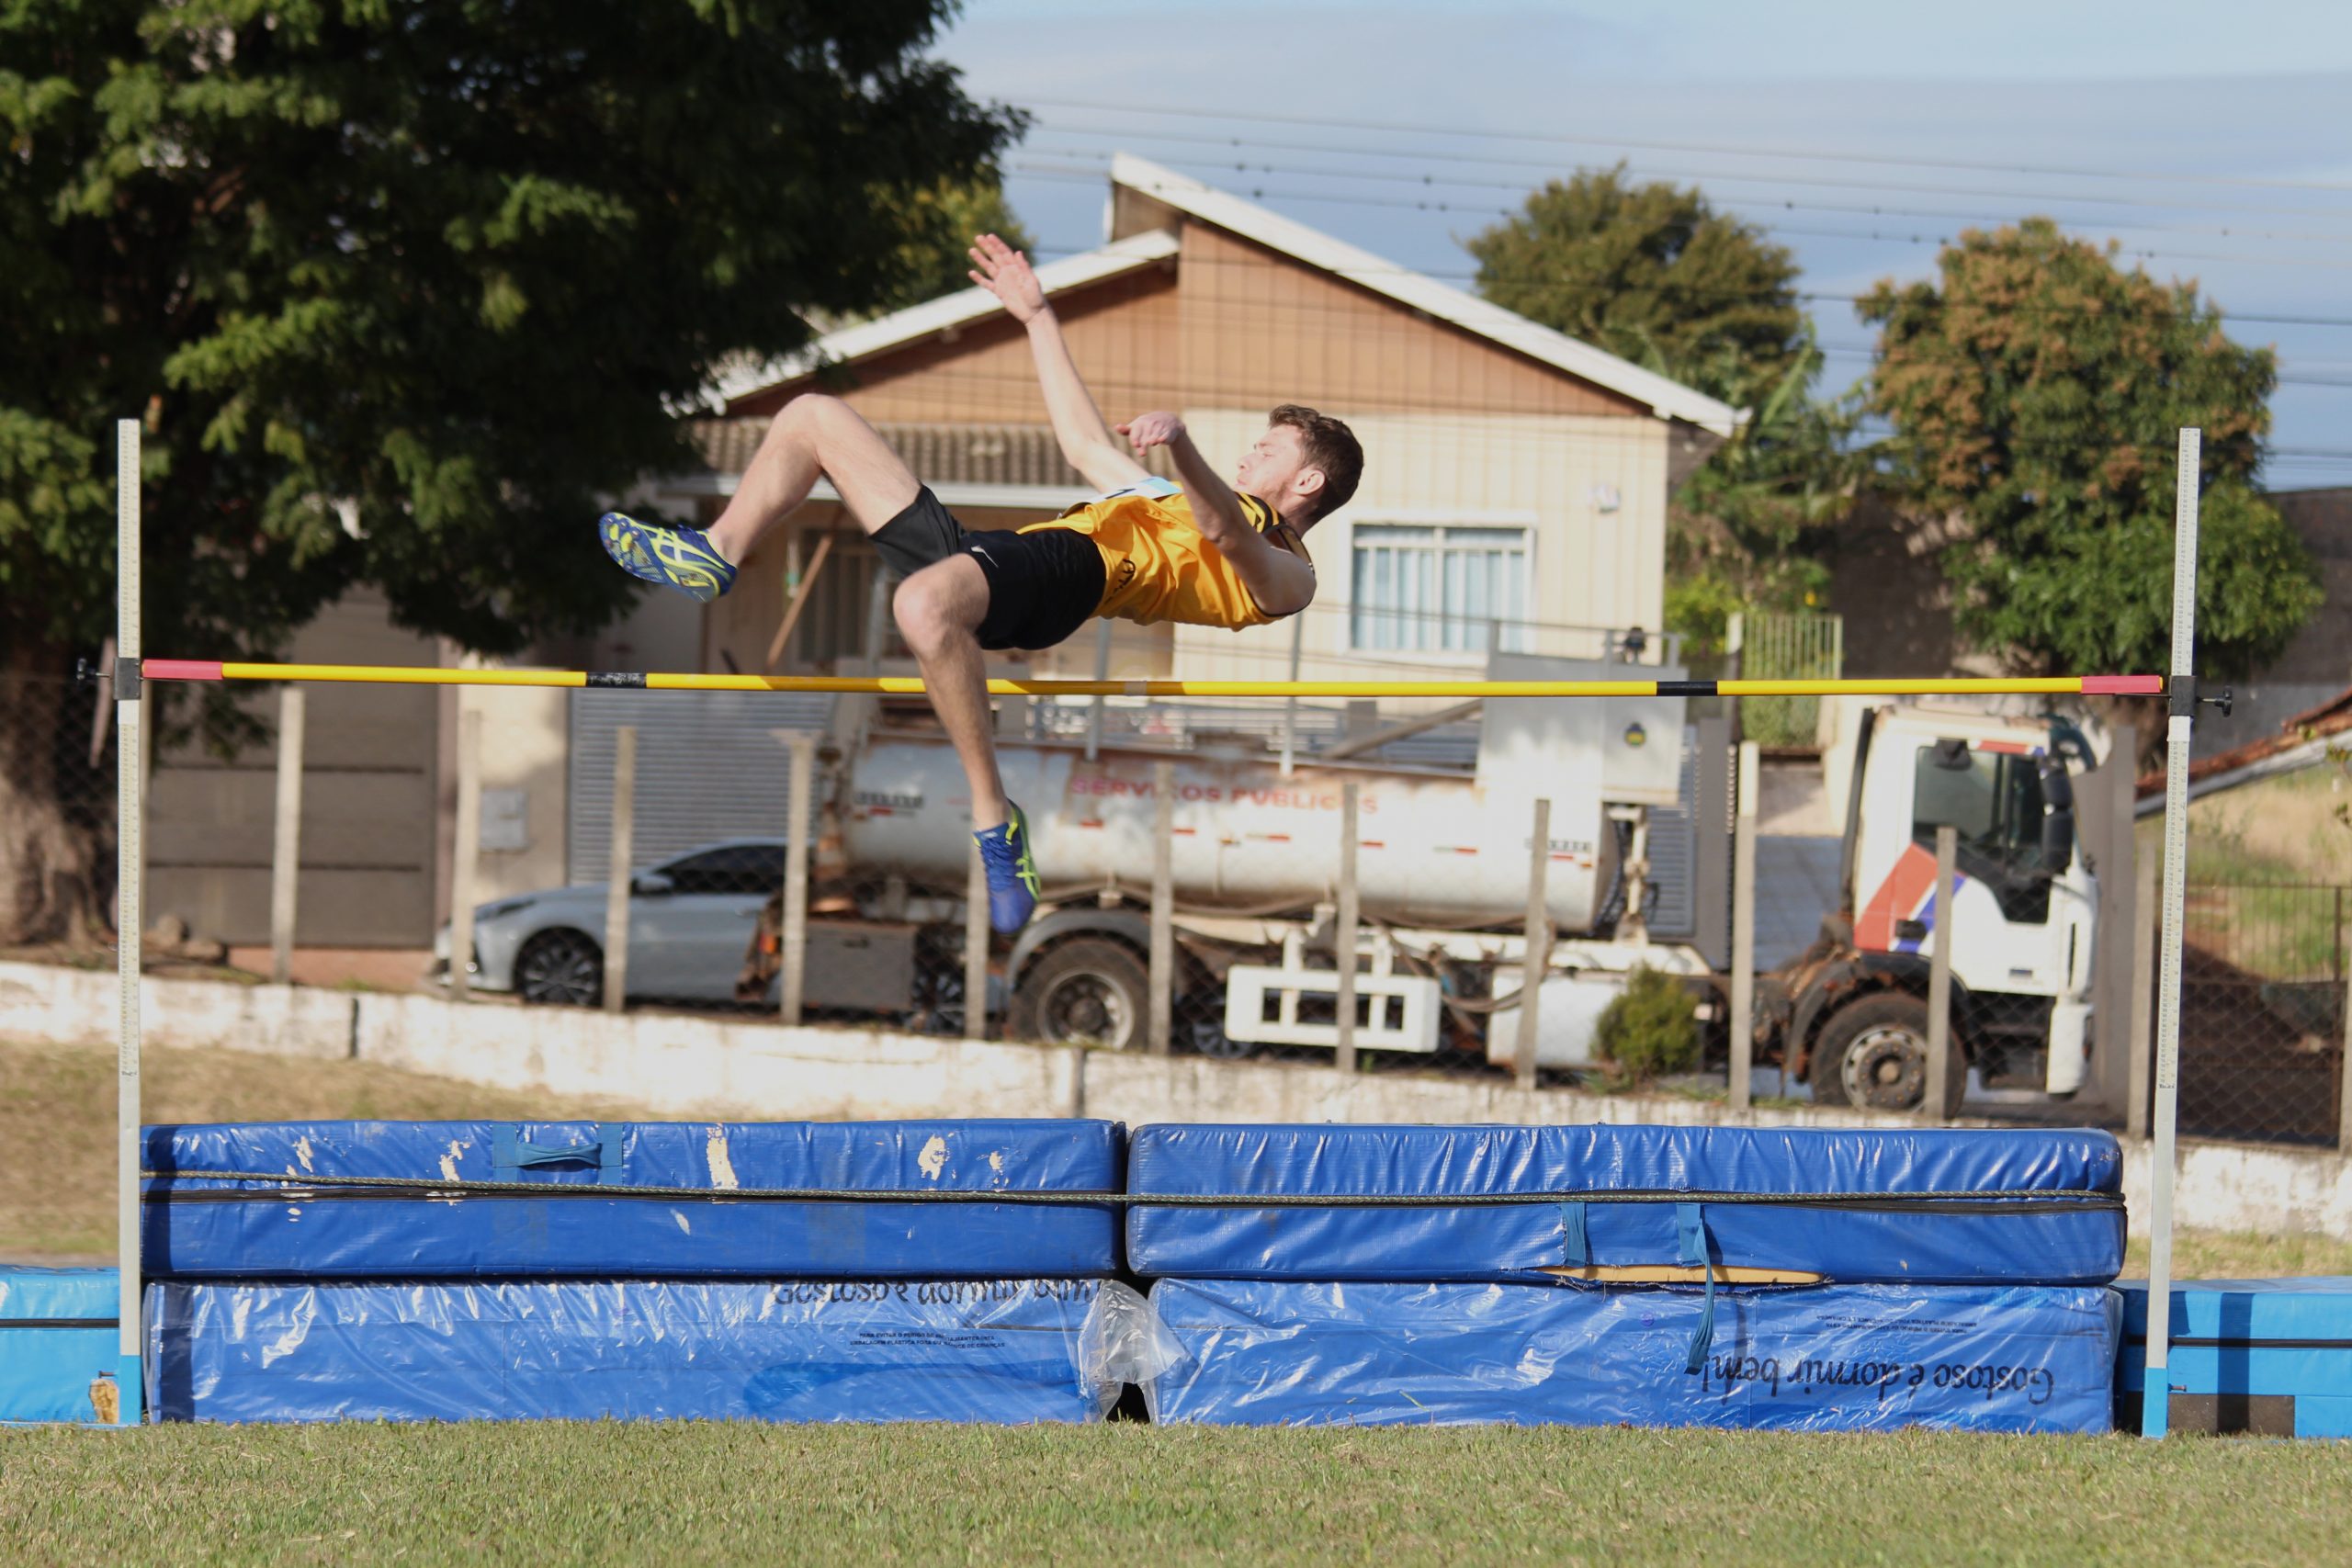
(2215,139)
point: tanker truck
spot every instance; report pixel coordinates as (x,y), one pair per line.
(1443,859)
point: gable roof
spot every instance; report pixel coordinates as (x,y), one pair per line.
(1665,398)
(965,305)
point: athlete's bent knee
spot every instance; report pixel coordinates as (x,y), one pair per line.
(925,610)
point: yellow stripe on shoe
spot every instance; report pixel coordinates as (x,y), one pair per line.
(682,559)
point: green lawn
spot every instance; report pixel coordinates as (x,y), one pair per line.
(667,1493)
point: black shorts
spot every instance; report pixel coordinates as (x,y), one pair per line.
(1043,585)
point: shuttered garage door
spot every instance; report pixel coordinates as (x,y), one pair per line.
(709,765)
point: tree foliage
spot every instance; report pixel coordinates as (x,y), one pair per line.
(1653,274)
(942,218)
(1650,1028)
(2035,391)
(401,290)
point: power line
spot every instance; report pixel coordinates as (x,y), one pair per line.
(1719,175)
(1088,175)
(1873,210)
(2060,170)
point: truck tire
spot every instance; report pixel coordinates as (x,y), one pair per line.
(1872,1054)
(1087,992)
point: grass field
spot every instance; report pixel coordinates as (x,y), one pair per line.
(643,1492)
(1157,1494)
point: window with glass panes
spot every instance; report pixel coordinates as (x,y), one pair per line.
(1438,588)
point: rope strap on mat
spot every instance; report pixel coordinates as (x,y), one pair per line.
(311,1189)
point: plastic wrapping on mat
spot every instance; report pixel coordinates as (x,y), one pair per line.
(57,1342)
(1835,1358)
(2270,1357)
(196,1228)
(1860,1242)
(984,1350)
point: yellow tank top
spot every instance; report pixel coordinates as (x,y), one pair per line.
(1157,565)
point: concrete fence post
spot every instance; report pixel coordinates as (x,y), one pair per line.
(286,853)
(1742,933)
(466,854)
(792,953)
(2145,907)
(975,944)
(1160,1014)
(618,865)
(1941,1045)
(1344,945)
(1538,957)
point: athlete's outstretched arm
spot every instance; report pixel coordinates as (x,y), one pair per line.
(1077,424)
(1278,581)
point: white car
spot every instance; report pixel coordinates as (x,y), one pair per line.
(690,923)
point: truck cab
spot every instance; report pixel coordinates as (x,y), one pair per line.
(2023,908)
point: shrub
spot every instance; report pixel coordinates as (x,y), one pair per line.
(1651,1028)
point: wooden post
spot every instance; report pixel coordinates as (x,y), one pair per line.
(1743,934)
(794,938)
(803,582)
(1344,945)
(1161,1014)
(1936,1102)
(286,854)
(618,867)
(2145,910)
(975,944)
(1539,943)
(465,852)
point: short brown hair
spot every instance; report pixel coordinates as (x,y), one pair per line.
(1328,446)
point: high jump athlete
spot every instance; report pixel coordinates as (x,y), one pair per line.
(1205,553)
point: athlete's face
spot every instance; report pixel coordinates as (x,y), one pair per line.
(1272,471)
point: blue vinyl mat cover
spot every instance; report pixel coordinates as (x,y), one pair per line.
(2069,1232)
(1847,1357)
(207,1228)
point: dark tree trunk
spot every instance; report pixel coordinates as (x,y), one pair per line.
(56,809)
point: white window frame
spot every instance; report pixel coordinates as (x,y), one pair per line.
(1441,520)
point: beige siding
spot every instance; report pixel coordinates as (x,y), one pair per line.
(1593,567)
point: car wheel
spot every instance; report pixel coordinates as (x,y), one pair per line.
(559,969)
(1083,993)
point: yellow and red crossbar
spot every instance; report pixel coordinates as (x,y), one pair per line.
(909,685)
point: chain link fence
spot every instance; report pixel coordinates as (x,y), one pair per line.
(806,857)
(2263,992)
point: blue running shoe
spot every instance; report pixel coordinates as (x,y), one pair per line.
(1012,871)
(682,559)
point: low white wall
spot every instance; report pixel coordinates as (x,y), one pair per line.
(682,1065)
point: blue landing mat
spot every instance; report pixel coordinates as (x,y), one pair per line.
(2270,1357)
(1842,1358)
(1004,1350)
(2049,1238)
(57,1334)
(196,1228)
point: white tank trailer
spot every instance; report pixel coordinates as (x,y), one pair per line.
(1443,857)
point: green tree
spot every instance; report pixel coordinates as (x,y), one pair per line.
(1652,273)
(2035,390)
(942,218)
(400,290)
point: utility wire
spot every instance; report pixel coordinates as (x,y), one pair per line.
(1884,160)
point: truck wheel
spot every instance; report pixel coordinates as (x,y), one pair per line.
(1873,1055)
(559,969)
(1088,992)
